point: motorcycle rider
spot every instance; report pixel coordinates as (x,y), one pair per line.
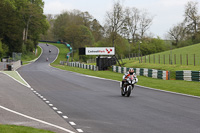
(126,75)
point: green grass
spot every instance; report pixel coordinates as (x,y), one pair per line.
(20,129)
(179,56)
(26,58)
(185,87)
(190,50)
(154,62)
(15,76)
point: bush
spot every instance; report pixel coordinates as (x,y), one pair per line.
(29,45)
(3,49)
(185,43)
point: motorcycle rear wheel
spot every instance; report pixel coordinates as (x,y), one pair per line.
(122,93)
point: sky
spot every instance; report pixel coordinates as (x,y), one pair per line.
(166,13)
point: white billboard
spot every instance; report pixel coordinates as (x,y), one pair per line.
(100,51)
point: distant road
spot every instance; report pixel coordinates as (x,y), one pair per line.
(95,105)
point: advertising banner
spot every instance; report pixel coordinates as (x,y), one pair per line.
(100,51)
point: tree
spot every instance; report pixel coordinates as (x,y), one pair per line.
(177,33)
(33,18)
(87,18)
(192,18)
(10,26)
(97,30)
(115,20)
(132,20)
(78,36)
(145,23)
(49,35)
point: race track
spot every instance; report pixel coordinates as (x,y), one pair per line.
(96,106)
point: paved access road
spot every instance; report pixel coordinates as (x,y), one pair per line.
(95,105)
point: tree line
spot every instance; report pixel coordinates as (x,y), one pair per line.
(186,32)
(124,28)
(21,24)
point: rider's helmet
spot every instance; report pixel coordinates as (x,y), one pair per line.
(131,71)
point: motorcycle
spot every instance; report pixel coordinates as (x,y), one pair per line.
(128,85)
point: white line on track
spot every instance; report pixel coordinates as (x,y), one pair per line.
(72,123)
(65,117)
(54,108)
(59,112)
(26,116)
(80,130)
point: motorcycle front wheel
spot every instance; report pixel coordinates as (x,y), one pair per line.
(129,91)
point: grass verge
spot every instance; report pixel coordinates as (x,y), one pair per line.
(185,87)
(29,57)
(20,129)
(15,76)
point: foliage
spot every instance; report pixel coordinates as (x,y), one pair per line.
(10,27)
(187,32)
(21,21)
(78,36)
(29,46)
(30,56)
(3,49)
(149,46)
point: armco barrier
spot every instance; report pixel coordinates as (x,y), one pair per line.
(188,75)
(81,65)
(16,64)
(144,72)
(13,65)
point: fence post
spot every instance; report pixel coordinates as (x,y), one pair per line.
(135,56)
(181,59)
(132,56)
(175,59)
(149,59)
(164,58)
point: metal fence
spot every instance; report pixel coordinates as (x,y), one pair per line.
(174,59)
(16,56)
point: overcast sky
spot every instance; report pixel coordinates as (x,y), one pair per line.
(166,12)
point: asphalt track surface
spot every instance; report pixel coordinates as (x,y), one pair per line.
(20,106)
(96,106)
